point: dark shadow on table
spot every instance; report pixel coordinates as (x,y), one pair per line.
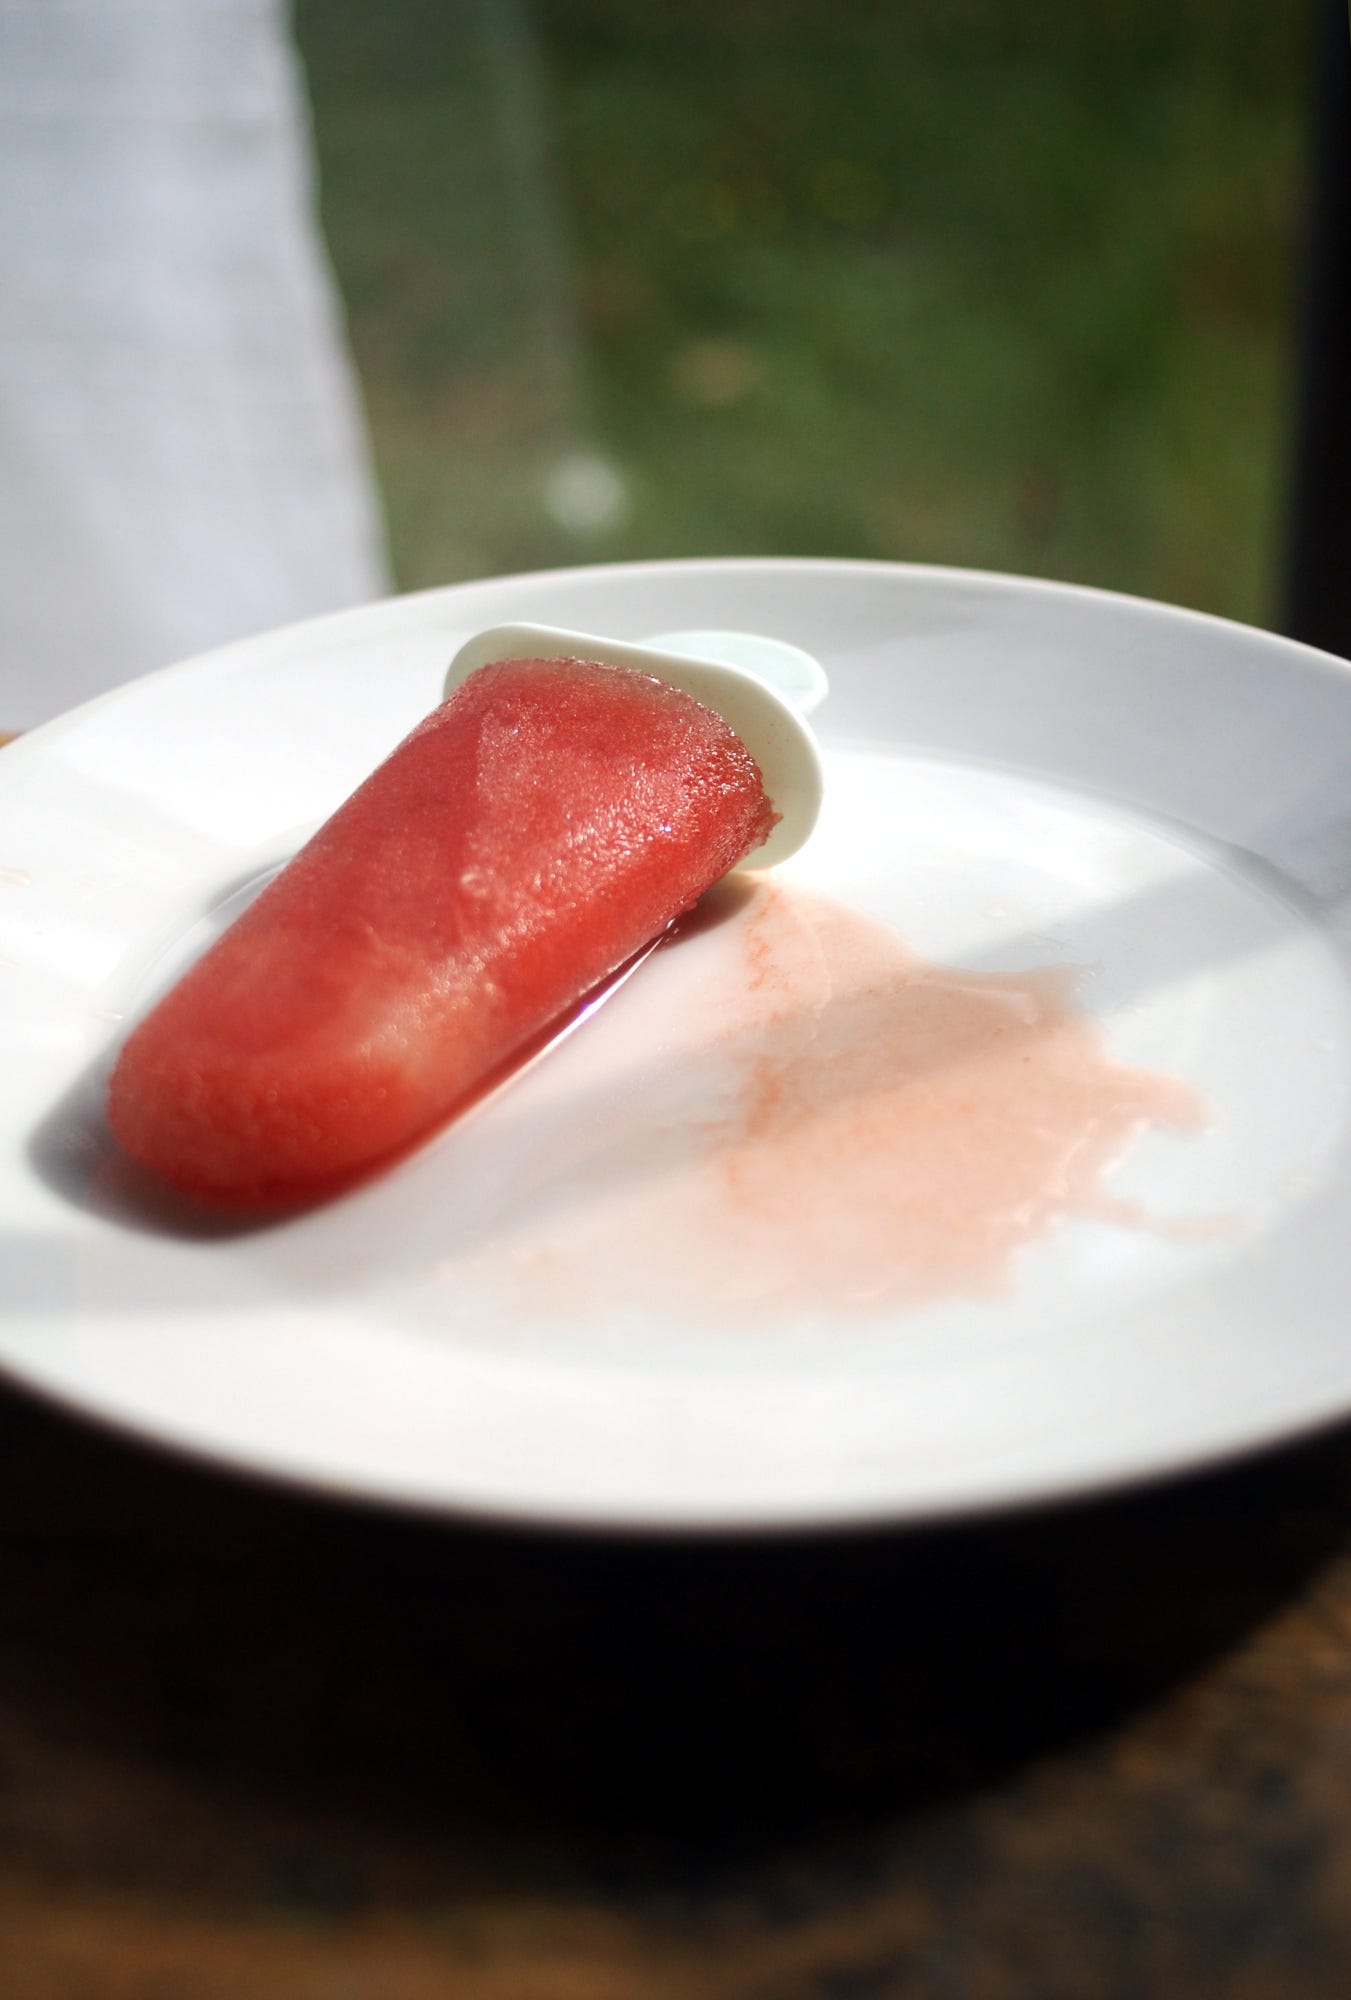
(519,1705)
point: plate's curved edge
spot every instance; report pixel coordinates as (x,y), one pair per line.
(993,1503)
(414,605)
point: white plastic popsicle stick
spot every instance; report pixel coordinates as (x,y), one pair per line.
(796,675)
(768,723)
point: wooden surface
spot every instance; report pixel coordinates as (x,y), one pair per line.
(257,1745)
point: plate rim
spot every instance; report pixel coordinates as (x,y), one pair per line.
(1010,581)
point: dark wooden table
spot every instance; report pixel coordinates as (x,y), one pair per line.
(253,1744)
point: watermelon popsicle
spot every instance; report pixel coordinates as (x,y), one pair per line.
(566,802)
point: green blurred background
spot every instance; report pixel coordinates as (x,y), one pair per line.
(1002,283)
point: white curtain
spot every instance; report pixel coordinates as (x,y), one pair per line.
(182,454)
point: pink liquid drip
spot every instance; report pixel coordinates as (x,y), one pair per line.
(885,1131)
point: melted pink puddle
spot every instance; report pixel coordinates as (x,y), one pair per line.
(883,1131)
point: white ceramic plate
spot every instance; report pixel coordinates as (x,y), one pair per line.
(1018,774)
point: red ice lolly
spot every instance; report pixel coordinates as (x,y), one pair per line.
(538,829)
